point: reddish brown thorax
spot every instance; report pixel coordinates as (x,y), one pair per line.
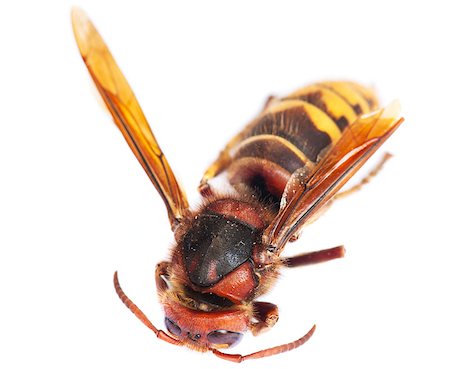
(246,212)
(215,255)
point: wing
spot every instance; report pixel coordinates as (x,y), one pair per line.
(127,114)
(305,197)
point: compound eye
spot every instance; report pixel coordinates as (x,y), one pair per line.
(172,327)
(223,337)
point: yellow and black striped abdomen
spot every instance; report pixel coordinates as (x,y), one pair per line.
(293,132)
(301,123)
(341,101)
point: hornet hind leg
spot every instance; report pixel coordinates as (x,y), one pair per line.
(314,257)
(364,181)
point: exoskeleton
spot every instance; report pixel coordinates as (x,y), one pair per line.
(281,171)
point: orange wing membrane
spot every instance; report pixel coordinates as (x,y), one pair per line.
(357,144)
(128,115)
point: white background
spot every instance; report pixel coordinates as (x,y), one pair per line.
(75,205)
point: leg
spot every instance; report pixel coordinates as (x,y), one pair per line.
(266,315)
(366,179)
(219,165)
(162,276)
(314,257)
(270,101)
(224,159)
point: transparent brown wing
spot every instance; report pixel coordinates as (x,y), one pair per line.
(127,114)
(357,143)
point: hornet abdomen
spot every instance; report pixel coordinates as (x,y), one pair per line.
(291,133)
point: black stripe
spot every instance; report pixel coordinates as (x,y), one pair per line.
(315,98)
(272,149)
(296,126)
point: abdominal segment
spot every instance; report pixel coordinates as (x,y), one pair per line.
(292,133)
